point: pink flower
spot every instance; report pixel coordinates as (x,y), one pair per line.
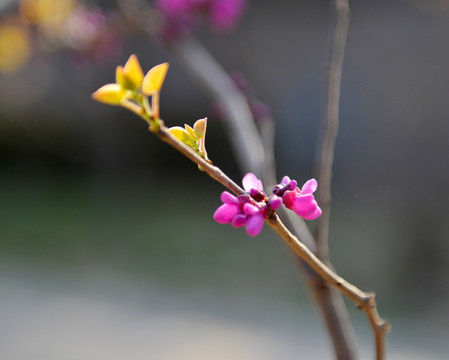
(245,210)
(251,210)
(241,211)
(301,201)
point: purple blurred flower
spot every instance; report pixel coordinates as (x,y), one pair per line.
(301,201)
(172,8)
(225,14)
(90,33)
(182,17)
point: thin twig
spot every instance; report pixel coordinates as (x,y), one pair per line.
(246,143)
(330,302)
(325,156)
(213,171)
(248,149)
(363,300)
(325,162)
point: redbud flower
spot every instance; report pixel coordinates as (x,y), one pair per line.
(301,201)
(241,211)
(251,210)
(244,210)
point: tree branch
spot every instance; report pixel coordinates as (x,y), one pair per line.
(325,156)
(329,301)
(248,149)
(363,300)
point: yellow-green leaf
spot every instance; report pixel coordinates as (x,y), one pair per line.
(133,71)
(123,80)
(179,133)
(154,79)
(200,128)
(111,94)
(190,131)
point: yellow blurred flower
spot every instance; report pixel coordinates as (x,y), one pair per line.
(14,47)
(51,13)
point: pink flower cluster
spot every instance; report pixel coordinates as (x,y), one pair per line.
(301,201)
(251,210)
(181,17)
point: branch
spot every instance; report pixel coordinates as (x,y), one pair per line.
(328,135)
(246,143)
(363,300)
(330,302)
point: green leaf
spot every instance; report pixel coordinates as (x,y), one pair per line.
(190,131)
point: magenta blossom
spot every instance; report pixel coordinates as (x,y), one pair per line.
(244,210)
(251,210)
(241,211)
(225,14)
(301,201)
(182,17)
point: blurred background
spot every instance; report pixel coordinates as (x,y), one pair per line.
(108,249)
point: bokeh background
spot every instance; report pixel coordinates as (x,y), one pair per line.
(108,249)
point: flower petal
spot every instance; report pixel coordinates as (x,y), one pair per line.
(285,180)
(274,202)
(288,198)
(228,198)
(315,214)
(293,184)
(309,187)
(304,205)
(239,220)
(250,181)
(225,213)
(250,209)
(255,224)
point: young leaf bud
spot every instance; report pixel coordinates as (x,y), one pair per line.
(200,128)
(154,79)
(133,72)
(179,133)
(111,94)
